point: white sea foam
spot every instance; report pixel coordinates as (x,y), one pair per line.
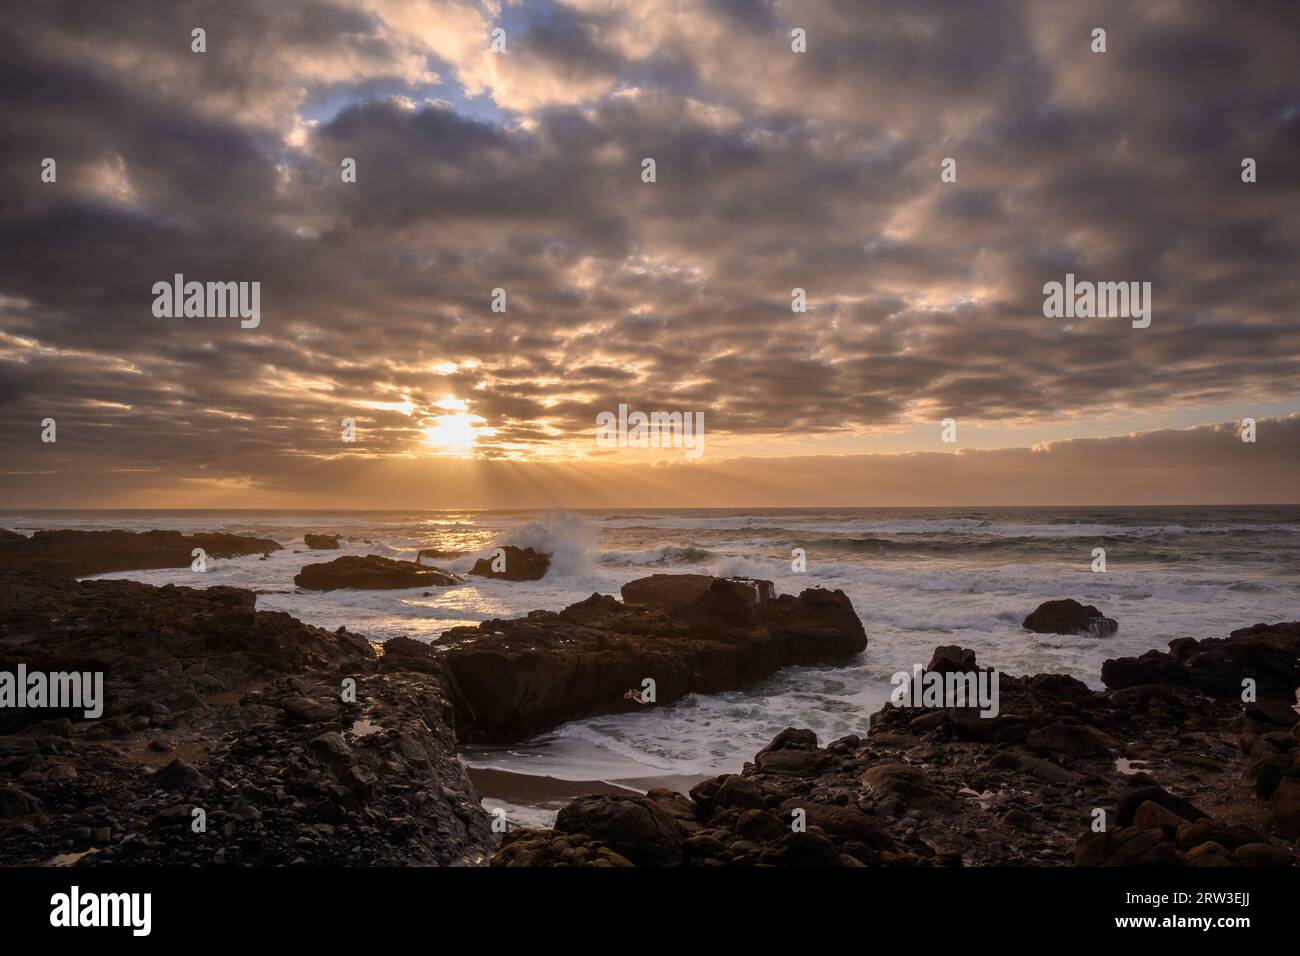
(1234,569)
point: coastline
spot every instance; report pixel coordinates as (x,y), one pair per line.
(1193,778)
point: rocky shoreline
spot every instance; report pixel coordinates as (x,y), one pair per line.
(236,736)
(1146,775)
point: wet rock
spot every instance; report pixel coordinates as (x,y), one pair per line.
(1267,653)
(75,554)
(371,572)
(950,659)
(321,542)
(1069,617)
(513,679)
(636,828)
(521,564)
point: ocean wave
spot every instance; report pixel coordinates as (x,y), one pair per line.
(567,537)
(665,555)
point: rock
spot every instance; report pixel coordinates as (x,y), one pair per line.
(1130,846)
(1133,800)
(178,775)
(636,828)
(309,711)
(951,659)
(1267,653)
(1152,816)
(1285,805)
(76,554)
(1206,830)
(843,824)
(908,784)
(514,679)
(1262,854)
(521,564)
(1069,617)
(738,791)
(801,762)
(731,600)
(16,802)
(526,847)
(157,646)
(801,849)
(1067,737)
(371,572)
(321,542)
(274,790)
(792,738)
(1210,854)
(666,591)
(1280,713)
(7,535)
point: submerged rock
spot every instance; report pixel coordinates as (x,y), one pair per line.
(1070,617)
(371,572)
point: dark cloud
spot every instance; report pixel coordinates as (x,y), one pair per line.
(775,170)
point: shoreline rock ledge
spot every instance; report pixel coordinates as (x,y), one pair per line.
(371,572)
(688,633)
(80,554)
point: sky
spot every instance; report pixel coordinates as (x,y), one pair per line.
(522,169)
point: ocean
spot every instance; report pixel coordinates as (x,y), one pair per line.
(918,578)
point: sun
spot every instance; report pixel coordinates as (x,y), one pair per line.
(456,434)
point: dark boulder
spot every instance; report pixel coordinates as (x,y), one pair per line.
(513,679)
(637,828)
(372,573)
(1268,654)
(78,554)
(1070,617)
(321,542)
(951,659)
(520,564)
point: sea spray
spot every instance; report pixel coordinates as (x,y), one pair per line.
(567,537)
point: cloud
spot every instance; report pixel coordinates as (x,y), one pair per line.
(521,171)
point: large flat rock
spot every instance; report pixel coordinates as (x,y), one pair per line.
(78,554)
(371,573)
(513,679)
